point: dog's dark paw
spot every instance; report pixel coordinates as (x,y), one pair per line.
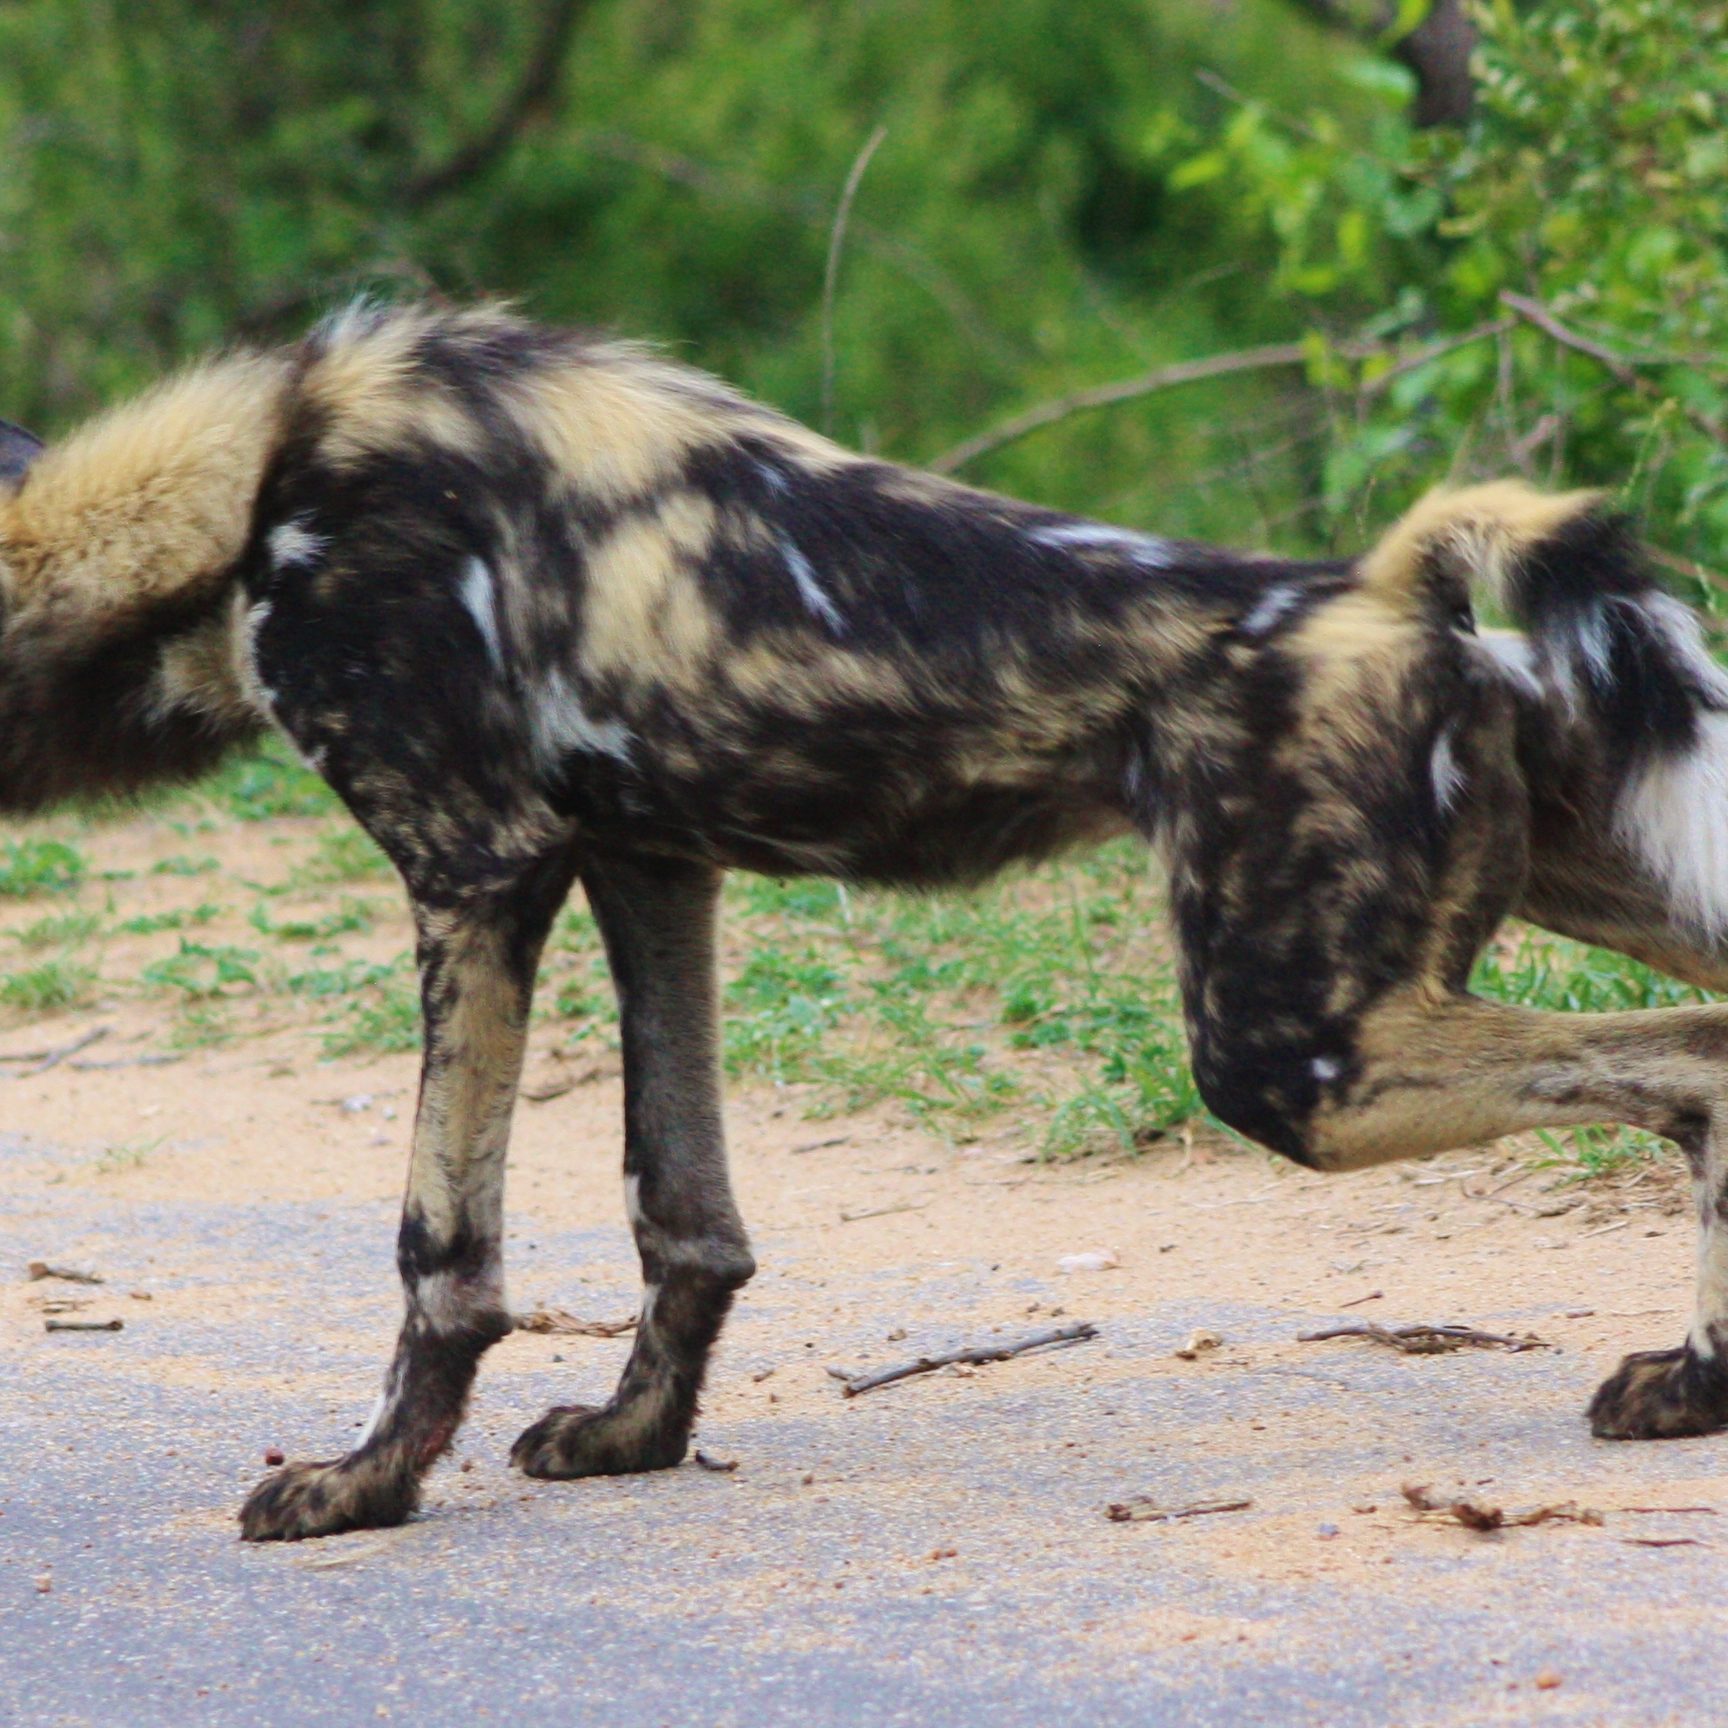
(611,1440)
(1661,1395)
(303,1500)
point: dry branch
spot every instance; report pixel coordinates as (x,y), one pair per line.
(1424,1340)
(1478,1515)
(1268,358)
(42,1060)
(1623,368)
(1143,1509)
(557,1320)
(1055,1339)
(534,93)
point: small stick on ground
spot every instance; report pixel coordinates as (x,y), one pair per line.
(40,1061)
(83,1325)
(1143,1509)
(1056,1338)
(882,1211)
(556,1320)
(164,1060)
(720,1466)
(1357,1301)
(39,1269)
(1424,1340)
(1478,1515)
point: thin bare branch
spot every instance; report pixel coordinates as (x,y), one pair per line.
(533,93)
(831,271)
(1269,358)
(1622,367)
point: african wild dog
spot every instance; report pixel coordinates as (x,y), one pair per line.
(545,608)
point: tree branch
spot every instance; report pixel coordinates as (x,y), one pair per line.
(1268,358)
(538,85)
(1623,368)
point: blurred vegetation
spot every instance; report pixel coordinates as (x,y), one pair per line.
(1063,197)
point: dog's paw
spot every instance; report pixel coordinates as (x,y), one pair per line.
(303,1500)
(1661,1395)
(611,1440)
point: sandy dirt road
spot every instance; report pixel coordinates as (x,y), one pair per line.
(934,1552)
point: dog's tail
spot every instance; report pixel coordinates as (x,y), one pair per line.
(1608,658)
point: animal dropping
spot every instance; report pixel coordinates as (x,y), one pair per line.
(544,608)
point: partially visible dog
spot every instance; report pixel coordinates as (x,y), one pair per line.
(542,608)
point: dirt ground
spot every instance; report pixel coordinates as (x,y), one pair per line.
(938,1550)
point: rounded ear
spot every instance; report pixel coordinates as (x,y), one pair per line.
(18,449)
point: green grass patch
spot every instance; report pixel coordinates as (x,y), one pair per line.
(32,867)
(62,930)
(202,970)
(348,918)
(182,866)
(382,1020)
(266,783)
(344,855)
(153,923)
(51,985)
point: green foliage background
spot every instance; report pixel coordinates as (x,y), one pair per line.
(1064,195)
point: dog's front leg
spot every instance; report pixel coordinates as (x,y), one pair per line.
(477,964)
(657,917)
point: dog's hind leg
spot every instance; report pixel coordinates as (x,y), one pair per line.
(658,920)
(1328,925)
(478,954)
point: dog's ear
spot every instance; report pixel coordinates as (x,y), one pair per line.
(18,449)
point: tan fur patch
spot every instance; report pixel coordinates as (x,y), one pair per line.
(618,423)
(150,501)
(645,614)
(1484,528)
(366,383)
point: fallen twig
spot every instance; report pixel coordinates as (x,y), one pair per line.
(42,1060)
(1424,1340)
(1663,1541)
(882,1211)
(557,1320)
(1357,1301)
(1478,1515)
(821,1145)
(166,1059)
(1143,1509)
(83,1325)
(39,1269)
(1056,1338)
(721,1466)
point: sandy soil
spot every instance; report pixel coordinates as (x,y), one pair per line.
(238,1202)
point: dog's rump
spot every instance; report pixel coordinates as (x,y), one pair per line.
(1623,714)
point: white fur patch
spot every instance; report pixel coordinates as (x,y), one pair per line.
(633,1201)
(1274,604)
(775,480)
(1513,655)
(1146,550)
(561,724)
(1443,768)
(810,590)
(1674,815)
(1325,1068)
(479,596)
(293,543)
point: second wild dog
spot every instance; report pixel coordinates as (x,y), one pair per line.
(544,608)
